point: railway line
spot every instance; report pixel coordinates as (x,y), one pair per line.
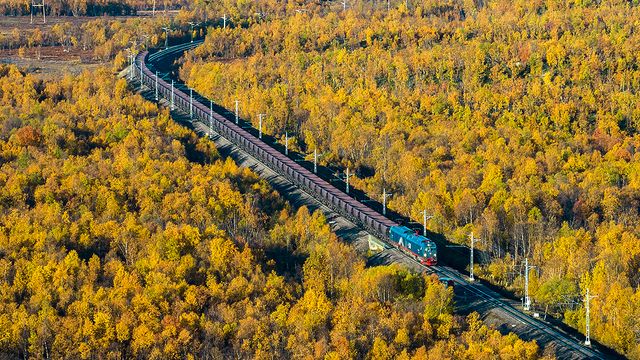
(224,123)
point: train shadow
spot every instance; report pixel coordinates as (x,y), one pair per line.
(449,253)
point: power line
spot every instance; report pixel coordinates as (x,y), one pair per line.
(315,160)
(166,36)
(384,200)
(471,277)
(425,217)
(193,25)
(587,300)
(260,126)
(347,176)
(237,102)
(44,15)
(286,143)
(527,298)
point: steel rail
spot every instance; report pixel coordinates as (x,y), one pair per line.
(520,316)
(294,172)
(318,188)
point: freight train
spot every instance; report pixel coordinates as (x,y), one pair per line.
(420,247)
(401,237)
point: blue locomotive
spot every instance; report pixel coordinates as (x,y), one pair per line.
(419,246)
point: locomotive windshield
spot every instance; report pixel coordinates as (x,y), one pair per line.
(430,250)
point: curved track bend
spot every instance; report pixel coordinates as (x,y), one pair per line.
(475,296)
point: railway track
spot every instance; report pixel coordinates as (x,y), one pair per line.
(179,96)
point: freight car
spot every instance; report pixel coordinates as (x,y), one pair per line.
(308,181)
(420,247)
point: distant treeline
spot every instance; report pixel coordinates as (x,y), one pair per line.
(112,8)
(87,8)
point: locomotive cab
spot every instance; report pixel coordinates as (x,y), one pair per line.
(430,253)
(419,246)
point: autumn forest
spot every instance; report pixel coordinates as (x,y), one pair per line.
(124,234)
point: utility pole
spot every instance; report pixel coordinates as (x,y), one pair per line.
(315,161)
(146,40)
(425,217)
(141,83)
(166,37)
(527,300)
(193,24)
(347,178)
(286,143)
(384,200)
(172,97)
(211,115)
(153,12)
(156,86)
(237,111)
(191,103)
(471,277)
(130,65)
(260,127)
(44,15)
(587,300)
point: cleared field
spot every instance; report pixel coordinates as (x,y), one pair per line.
(53,64)
(23,23)
(50,59)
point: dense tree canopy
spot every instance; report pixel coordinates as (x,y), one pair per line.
(123,235)
(517,120)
